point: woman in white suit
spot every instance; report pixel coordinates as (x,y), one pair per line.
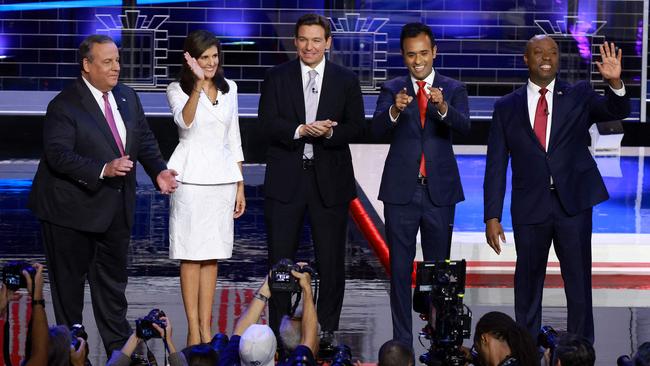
(208,160)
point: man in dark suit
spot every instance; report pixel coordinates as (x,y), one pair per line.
(84,189)
(311,109)
(543,128)
(420,185)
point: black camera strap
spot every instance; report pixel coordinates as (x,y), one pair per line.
(165,344)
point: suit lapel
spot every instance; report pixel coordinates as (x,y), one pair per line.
(90,105)
(325,89)
(522,110)
(560,108)
(123,109)
(295,88)
(412,109)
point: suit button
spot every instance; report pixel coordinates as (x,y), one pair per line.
(119,190)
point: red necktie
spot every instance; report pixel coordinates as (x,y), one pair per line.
(422,104)
(541,117)
(108,112)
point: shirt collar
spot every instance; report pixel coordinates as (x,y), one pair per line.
(533,89)
(428,79)
(320,68)
(95,92)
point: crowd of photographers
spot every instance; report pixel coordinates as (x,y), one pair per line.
(498,339)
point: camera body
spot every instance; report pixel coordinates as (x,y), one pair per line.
(144,326)
(547,337)
(77,331)
(438,297)
(12,274)
(342,356)
(281,279)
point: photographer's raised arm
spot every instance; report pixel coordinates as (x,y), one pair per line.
(40,334)
(254,309)
(309,325)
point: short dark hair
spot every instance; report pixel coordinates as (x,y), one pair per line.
(87,44)
(503,327)
(201,355)
(574,350)
(642,355)
(412,30)
(314,19)
(395,353)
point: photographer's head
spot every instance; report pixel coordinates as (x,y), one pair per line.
(642,355)
(201,355)
(395,353)
(573,350)
(291,332)
(497,337)
(62,350)
(257,346)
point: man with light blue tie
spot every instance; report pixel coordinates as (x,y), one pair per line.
(310,109)
(420,185)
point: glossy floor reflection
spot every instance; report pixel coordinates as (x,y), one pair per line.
(620,245)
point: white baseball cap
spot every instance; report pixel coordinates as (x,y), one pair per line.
(257,346)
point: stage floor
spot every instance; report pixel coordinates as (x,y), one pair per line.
(621,258)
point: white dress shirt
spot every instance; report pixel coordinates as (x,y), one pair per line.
(532,91)
(304,73)
(99,98)
(117,117)
(210,147)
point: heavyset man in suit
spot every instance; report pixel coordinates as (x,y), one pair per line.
(311,109)
(84,189)
(543,128)
(420,185)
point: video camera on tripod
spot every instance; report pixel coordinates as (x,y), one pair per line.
(438,297)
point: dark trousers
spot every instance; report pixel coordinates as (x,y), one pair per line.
(571,237)
(284,222)
(402,224)
(74,256)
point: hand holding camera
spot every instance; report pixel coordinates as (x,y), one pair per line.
(144,327)
(289,277)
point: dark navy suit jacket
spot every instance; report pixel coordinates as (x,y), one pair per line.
(577,180)
(408,139)
(67,190)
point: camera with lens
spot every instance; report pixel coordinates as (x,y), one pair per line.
(219,342)
(281,279)
(342,356)
(547,338)
(438,297)
(77,331)
(12,274)
(144,326)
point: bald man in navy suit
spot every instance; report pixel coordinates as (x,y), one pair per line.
(542,128)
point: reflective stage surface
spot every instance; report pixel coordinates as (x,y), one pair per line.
(621,259)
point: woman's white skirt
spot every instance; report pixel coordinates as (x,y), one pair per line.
(201,224)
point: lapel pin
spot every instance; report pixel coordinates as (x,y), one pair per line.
(123,99)
(559,92)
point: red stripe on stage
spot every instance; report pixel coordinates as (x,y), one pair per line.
(506,280)
(223,311)
(557,264)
